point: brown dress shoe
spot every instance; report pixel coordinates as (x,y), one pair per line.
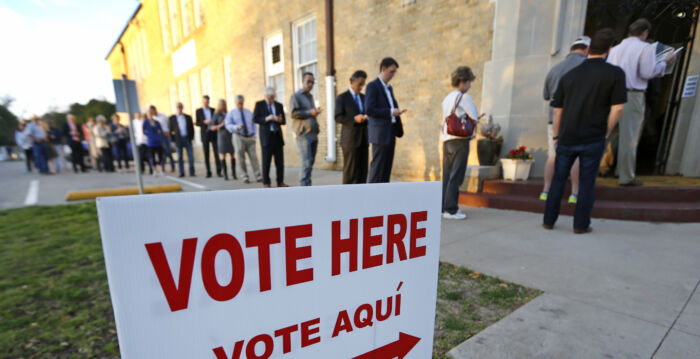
(547,227)
(267,186)
(583,231)
(282,185)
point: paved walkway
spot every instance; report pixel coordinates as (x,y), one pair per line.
(18,189)
(628,290)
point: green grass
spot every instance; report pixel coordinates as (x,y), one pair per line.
(54,299)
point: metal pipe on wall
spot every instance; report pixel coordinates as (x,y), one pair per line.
(330,85)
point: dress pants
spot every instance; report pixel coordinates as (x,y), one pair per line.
(187,145)
(76,149)
(355,164)
(167,152)
(382,161)
(41,157)
(246,145)
(211,139)
(630,126)
(274,148)
(589,156)
(454,167)
(29,158)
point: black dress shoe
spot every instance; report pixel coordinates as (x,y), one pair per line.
(209,175)
(583,231)
(634,183)
(181,176)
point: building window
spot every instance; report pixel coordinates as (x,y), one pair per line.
(174,22)
(198,13)
(164,25)
(304,46)
(227,81)
(186,11)
(173,98)
(195,95)
(206,83)
(146,70)
(276,54)
(274,65)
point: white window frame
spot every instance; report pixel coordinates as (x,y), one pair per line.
(228,83)
(274,70)
(174,15)
(205,81)
(295,55)
(198,8)
(186,18)
(164,24)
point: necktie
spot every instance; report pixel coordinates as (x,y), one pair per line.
(245,127)
(273,125)
(358,102)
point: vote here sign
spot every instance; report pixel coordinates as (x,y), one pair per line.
(314,272)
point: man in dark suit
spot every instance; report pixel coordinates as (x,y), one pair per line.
(350,112)
(182,131)
(269,114)
(204,116)
(72,133)
(384,121)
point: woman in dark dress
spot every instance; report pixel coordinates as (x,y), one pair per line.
(224,138)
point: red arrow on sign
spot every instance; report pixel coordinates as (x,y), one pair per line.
(392,350)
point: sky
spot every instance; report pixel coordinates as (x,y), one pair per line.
(53,51)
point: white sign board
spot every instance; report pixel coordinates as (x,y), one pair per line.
(691,86)
(306,272)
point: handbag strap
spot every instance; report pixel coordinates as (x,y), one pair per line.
(459,99)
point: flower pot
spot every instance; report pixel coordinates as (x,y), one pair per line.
(514,170)
(488,151)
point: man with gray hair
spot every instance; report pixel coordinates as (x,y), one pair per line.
(638,59)
(269,114)
(304,113)
(239,122)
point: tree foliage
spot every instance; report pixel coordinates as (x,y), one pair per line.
(8,124)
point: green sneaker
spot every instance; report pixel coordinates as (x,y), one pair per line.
(543,196)
(573,199)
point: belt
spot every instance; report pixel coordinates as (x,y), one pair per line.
(246,136)
(635,90)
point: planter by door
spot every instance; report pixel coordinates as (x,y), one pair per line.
(514,170)
(488,151)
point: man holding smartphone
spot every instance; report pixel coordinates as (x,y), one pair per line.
(384,121)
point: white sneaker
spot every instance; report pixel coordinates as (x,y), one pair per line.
(456,215)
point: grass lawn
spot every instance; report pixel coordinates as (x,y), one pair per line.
(54,299)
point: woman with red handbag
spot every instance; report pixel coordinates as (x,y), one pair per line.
(459,126)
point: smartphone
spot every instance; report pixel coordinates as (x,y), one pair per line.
(678,50)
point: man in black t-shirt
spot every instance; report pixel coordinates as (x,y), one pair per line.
(587,105)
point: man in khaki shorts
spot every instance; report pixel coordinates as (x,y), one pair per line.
(579,50)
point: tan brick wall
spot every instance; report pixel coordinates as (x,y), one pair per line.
(429,39)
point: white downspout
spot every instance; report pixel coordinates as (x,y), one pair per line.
(330,119)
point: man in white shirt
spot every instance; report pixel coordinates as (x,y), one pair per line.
(182,132)
(638,59)
(137,124)
(239,122)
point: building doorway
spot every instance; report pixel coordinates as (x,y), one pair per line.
(674,23)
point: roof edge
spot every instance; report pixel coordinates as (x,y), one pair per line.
(124,30)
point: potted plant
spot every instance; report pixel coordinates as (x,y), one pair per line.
(489,148)
(516,166)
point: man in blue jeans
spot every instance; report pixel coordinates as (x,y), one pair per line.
(587,105)
(182,131)
(304,114)
(39,145)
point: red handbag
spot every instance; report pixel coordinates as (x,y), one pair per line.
(460,127)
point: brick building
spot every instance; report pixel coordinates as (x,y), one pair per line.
(178,50)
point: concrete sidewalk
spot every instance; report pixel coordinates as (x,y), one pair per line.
(627,290)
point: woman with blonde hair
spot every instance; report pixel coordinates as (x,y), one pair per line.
(101,134)
(225,144)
